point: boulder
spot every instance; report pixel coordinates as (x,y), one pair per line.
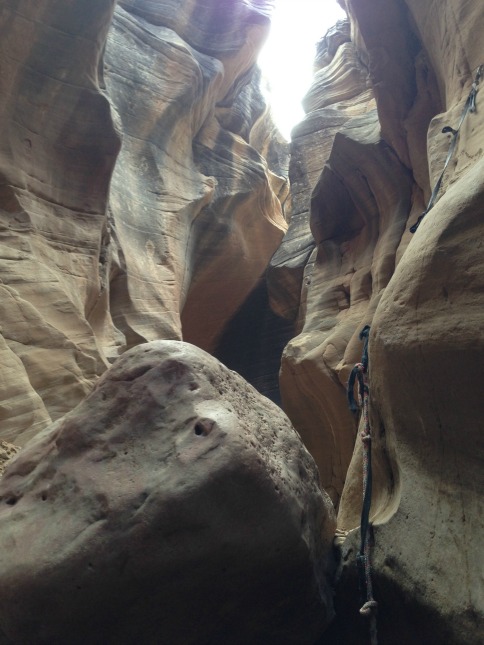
(175,504)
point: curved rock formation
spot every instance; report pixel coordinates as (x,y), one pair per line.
(328,154)
(58,147)
(421,296)
(174,500)
(142,194)
(129,187)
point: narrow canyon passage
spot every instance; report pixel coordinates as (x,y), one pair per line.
(183,290)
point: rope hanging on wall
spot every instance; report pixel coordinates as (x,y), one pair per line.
(470,106)
(360,374)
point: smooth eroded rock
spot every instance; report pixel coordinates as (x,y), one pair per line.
(175,504)
(137,167)
(422,296)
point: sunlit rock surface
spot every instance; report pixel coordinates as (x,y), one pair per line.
(174,503)
(130,191)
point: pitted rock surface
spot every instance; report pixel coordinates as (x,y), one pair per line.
(174,503)
(7,452)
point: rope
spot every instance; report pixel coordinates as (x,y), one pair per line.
(358,371)
(470,106)
(363,559)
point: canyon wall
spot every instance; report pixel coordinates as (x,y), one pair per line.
(143,196)
(364,162)
(141,189)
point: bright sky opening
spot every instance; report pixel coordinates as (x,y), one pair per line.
(288,55)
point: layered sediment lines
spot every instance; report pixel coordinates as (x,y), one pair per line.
(133,204)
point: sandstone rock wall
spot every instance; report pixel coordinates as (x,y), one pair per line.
(130,188)
(58,147)
(377,163)
(142,195)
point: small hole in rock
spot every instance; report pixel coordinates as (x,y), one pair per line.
(43,497)
(11,501)
(203,427)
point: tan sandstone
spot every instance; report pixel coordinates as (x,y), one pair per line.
(175,502)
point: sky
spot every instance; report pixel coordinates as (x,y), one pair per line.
(287,57)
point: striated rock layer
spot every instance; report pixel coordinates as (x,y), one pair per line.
(385,86)
(174,503)
(136,202)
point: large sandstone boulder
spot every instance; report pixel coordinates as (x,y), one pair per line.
(175,505)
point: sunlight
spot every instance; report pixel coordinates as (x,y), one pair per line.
(287,58)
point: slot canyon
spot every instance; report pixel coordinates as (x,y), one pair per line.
(182,296)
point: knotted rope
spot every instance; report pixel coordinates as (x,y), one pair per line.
(470,106)
(360,373)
